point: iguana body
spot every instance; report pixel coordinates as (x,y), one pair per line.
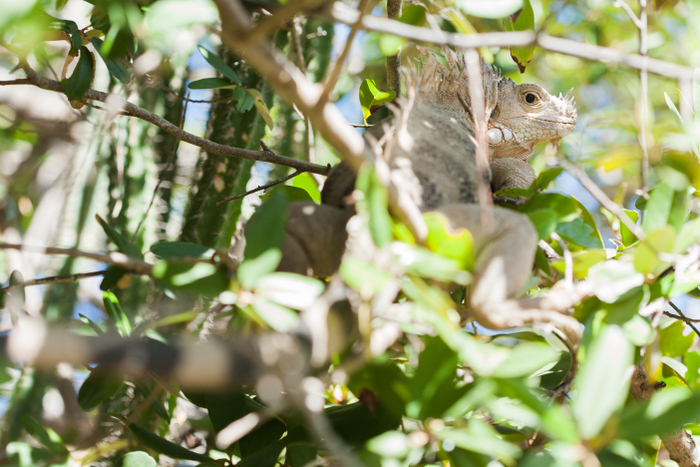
(430,151)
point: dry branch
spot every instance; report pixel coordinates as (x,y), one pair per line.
(346,15)
(207,145)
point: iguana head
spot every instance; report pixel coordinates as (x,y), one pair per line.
(526,115)
(521,116)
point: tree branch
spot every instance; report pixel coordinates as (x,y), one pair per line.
(113,259)
(207,145)
(53,280)
(602,198)
(347,15)
(393,62)
(338,65)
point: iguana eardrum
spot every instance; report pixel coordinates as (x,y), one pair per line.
(430,150)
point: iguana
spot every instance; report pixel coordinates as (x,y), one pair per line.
(430,151)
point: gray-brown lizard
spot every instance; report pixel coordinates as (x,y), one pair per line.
(430,151)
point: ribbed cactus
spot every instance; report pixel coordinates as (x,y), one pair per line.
(219,176)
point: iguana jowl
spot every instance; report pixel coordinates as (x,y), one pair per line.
(430,149)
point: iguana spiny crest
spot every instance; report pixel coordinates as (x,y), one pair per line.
(521,116)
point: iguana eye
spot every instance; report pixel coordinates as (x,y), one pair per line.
(530,98)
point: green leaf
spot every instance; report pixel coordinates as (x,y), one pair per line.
(112,277)
(290,290)
(171,250)
(225,408)
(262,108)
(578,232)
(583,260)
(437,364)
(673,109)
(306,182)
(363,276)
(244,99)
(672,342)
(454,244)
(46,436)
(421,262)
(136,459)
(278,317)
(390,444)
(80,81)
(666,412)
(210,83)
(264,233)
(554,373)
(491,9)
(658,207)
(375,205)
(612,279)
(293,193)
(389,45)
(302,452)
(524,360)
(479,437)
(119,240)
(356,424)
(219,65)
(163,446)
(97,388)
(628,238)
(545,221)
(199,278)
(525,21)
(601,382)
(116,314)
(371,95)
(545,178)
(114,65)
(71,29)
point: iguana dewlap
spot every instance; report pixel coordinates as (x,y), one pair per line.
(430,150)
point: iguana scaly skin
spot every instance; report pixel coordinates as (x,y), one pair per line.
(430,150)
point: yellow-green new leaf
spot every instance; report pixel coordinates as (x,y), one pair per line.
(371,96)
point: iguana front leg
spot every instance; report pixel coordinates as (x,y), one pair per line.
(511,173)
(315,239)
(504,254)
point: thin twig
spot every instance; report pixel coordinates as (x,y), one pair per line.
(270,24)
(113,259)
(338,65)
(684,317)
(641,24)
(622,4)
(477,109)
(568,259)
(644,79)
(207,145)
(260,188)
(54,280)
(602,198)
